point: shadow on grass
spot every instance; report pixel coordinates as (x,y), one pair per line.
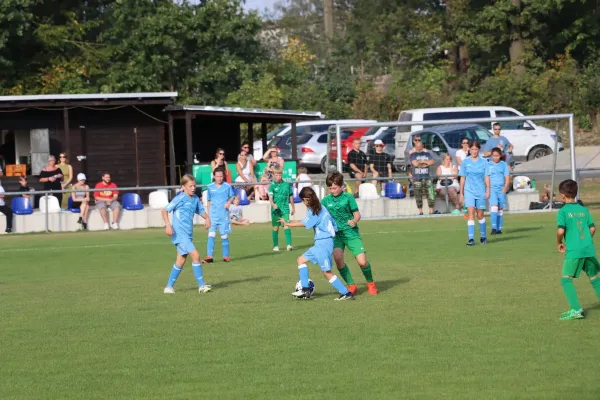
(383,286)
(297,249)
(524,229)
(224,284)
(504,238)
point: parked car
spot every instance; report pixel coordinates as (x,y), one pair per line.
(347,137)
(371,135)
(311,149)
(446,139)
(530,141)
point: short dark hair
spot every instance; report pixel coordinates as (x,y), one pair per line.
(219,169)
(335,178)
(497,124)
(105,173)
(569,188)
(245,144)
(497,150)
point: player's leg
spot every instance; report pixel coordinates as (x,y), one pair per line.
(275,232)
(470,204)
(225,230)
(571,269)
(322,257)
(210,243)
(176,270)
(592,269)
(501,207)
(197,268)
(288,233)
(480,205)
(365,266)
(304,292)
(339,243)
(494,211)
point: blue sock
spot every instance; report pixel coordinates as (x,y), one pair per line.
(197,268)
(471,229)
(481,227)
(175,271)
(303,271)
(494,217)
(210,245)
(338,285)
(225,244)
(500,219)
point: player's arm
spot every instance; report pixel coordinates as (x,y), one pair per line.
(292,205)
(487,186)
(208,202)
(168,227)
(560,234)
(291,224)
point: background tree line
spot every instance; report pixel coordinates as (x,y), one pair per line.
(381,56)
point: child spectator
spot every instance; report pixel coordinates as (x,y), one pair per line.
(262,190)
(236,213)
(304,178)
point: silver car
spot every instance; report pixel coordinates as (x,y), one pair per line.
(312,149)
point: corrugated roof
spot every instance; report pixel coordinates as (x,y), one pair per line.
(94,96)
(246,111)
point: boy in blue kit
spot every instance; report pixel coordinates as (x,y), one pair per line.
(497,170)
(474,191)
(183,207)
(219,196)
(318,219)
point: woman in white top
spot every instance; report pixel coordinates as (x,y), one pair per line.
(463,152)
(449,182)
(245,174)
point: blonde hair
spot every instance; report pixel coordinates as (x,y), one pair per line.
(187,178)
(444,157)
(302,170)
(277,170)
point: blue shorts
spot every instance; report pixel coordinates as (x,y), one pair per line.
(185,248)
(223,226)
(478,203)
(320,254)
(498,198)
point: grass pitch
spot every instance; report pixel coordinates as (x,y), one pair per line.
(83,317)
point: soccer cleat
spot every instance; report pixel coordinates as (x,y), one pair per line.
(499,232)
(352,288)
(289,247)
(347,296)
(483,240)
(204,289)
(226,259)
(471,242)
(169,290)
(371,288)
(276,248)
(572,314)
(208,260)
(303,293)
(493,232)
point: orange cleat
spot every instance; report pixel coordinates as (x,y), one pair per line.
(372,288)
(226,259)
(352,288)
(207,260)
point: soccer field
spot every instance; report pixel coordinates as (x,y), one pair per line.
(84,317)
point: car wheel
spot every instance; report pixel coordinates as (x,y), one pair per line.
(324,164)
(538,152)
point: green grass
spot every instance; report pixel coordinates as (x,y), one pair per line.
(83,316)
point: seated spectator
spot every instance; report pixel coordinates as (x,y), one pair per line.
(304,178)
(448,183)
(25,188)
(107,199)
(236,214)
(262,190)
(357,161)
(245,172)
(81,200)
(380,164)
(4,209)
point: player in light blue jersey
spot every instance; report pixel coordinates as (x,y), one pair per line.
(497,170)
(474,191)
(184,206)
(219,196)
(318,219)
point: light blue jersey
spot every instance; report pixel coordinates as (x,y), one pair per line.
(183,208)
(218,196)
(500,142)
(497,173)
(474,173)
(322,223)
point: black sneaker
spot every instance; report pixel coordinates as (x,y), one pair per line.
(493,232)
(483,240)
(8,230)
(471,242)
(80,220)
(347,296)
(499,232)
(436,212)
(84,226)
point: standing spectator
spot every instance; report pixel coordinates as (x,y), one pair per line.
(24,187)
(448,183)
(219,162)
(500,142)
(51,176)
(273,160)
(357,160)
(81,199)
(303,178)
(67,171)
(249,156)
(463,152)
(245,174)
(380,163)
(107,199)
(4,209)
(420,161)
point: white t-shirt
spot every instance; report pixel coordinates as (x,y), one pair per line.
(304,177)
(2,203)
(461,154)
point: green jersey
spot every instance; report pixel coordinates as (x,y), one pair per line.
(576,220)
(342,209)
(281,192)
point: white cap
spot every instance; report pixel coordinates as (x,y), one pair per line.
(81,177)
(378,142)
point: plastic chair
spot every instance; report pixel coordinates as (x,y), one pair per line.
(132,202)
(368,191)
(21,206)
(394,190)
(241,193)
(70,206)
(158,199)
(52,207)
(297,198)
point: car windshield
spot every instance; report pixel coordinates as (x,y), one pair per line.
(305,138)
(479,133)
(275,132)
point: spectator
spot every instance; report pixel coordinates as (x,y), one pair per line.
(463,152)
(236,213)
(245,172)
(249,156)
(500,142)
(380,163)
(357,160)
(107,199)
(448,183)
(303,178)
(81,199)
(4,209)
(24,187)
(420,161)
(219,162)
(67,172)
(262,189)
(51,176)
(273,160)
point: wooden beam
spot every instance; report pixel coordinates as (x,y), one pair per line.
(172,178)
(188,142)
(263,129)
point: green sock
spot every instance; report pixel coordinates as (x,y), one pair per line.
(288,236)
(275,235)
(346,275)
(571,293)
(367,273)
(596,285)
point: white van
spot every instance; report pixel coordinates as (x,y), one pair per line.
(530,141)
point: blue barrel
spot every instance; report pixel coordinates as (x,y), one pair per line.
(393,190)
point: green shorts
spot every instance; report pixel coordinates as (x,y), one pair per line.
(355,244)
(574,266)
(276,214)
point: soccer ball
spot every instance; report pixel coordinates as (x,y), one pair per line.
(311,285)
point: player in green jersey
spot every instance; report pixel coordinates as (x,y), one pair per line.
(344,210)
(575,238)
(281,197)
